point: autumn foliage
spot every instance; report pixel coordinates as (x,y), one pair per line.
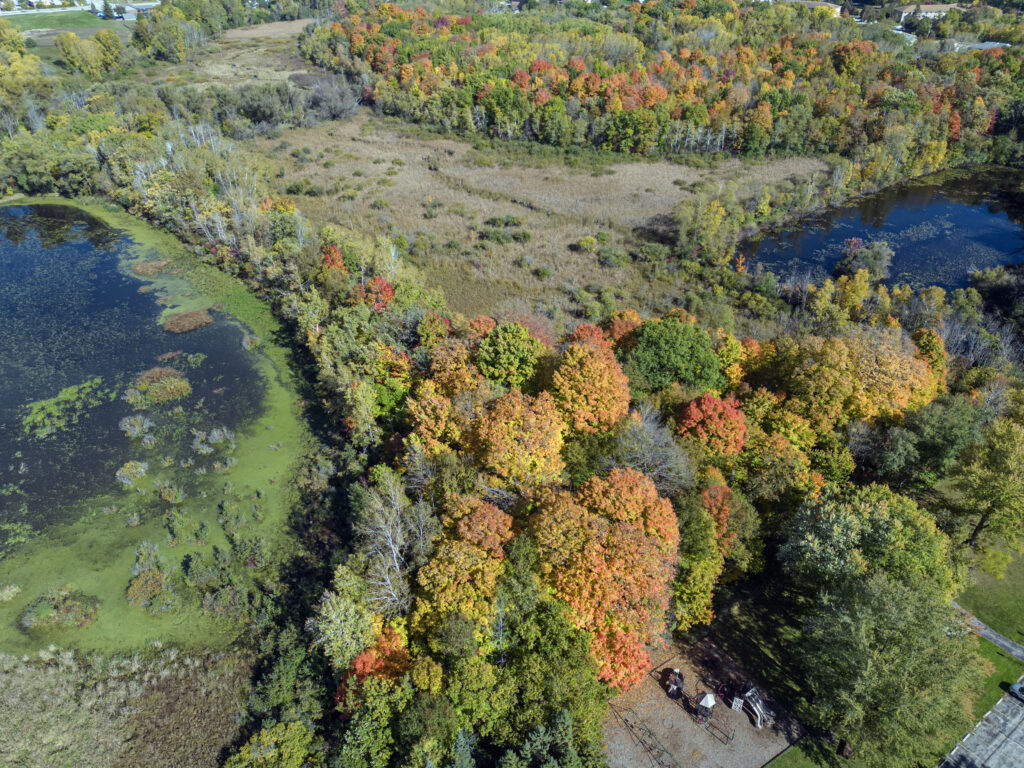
(519,440)
(333,258)
(609,551)
(590,388)
(376,292)
(719,425)
(388,658)
(479,523)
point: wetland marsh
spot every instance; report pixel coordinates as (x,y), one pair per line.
(147,437)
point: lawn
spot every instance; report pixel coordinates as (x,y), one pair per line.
(997,602)
(796,757)
(68,20)
(1007,670)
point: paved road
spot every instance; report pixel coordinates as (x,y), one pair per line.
(1014,649)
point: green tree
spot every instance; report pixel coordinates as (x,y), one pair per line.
(109,49)
(142,35)
(508,355)
(546,747)
(368,741)
(990,489)
(11,39)
(78,55)
(891,668)
(848,534)
(668,351)
(924,449)
(285,745)
(341,623)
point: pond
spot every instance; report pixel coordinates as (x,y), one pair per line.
(141,424)
(942,227)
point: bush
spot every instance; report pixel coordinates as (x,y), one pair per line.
(612,257)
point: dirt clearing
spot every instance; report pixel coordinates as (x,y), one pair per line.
(265,53)
(647,728)
(274,31)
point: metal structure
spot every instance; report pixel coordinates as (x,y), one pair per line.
(762,715)
(720,726)
(644,738)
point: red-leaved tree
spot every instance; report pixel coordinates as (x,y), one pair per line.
(719,425)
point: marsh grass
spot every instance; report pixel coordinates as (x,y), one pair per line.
(150,268)
(158,708)
(446,188)
(186,322)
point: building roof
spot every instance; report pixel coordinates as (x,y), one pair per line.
(927,8)
(817,4)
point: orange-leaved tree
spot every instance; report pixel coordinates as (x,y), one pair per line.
(718,425)
(519,441)
(609,552)
(590,388)
(388,658)
(462,575)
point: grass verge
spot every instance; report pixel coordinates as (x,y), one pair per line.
(68,20)
(997,601)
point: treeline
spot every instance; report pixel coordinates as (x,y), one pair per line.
(707,78)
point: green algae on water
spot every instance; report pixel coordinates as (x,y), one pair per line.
(45,418)
(193,474)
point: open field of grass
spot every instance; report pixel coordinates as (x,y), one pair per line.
(441,193)
(71,20)
(998,602)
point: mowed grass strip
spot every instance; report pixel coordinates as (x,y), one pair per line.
(997,602)
(61,20)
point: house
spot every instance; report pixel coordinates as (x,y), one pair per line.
(834,9)
(925,10)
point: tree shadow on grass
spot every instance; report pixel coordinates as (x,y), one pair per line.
(758,626)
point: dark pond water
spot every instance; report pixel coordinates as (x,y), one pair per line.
(942,228)
(72,314)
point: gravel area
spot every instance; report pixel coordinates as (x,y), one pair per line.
(647,728)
